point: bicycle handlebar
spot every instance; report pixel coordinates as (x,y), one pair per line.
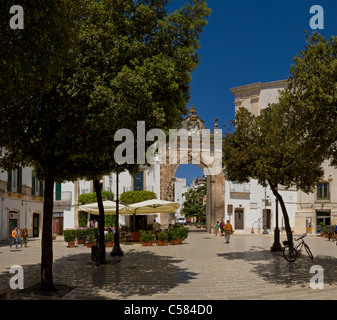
(301,237)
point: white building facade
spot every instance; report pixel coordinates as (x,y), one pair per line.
(21,203)
(251,208)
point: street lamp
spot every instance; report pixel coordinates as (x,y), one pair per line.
(276,245)
(117,251)
(110,183)
(265,231)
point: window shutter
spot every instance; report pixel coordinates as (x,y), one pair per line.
(33,186)
(19,189)
(9,181)
(41,189)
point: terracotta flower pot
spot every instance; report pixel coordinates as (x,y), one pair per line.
(176,241)
(90,244)
(109,244)
(146,243)
(161,242)
(71,244)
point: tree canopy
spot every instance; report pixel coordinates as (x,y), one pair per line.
(125,61)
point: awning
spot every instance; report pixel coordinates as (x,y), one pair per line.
(140,208)
(109,208)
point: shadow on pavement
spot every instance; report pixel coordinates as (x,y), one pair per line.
(134,274)
(273,268)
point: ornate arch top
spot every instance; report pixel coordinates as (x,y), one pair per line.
(192,123)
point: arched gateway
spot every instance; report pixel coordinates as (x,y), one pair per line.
(194,144)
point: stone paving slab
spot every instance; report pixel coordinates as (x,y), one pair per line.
(202,268)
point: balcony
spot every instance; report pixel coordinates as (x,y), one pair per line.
(239,190)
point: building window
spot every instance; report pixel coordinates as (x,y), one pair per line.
(138,181)
(323,192)
(37,187)
(14,181)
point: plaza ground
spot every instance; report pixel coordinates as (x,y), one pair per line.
(202,268)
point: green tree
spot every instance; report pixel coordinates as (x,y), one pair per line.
(34,57)
(273,150)
(193,205)
(125,61)
(130,197)
(134,72)
(312,94)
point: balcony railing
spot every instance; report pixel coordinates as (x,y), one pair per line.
(239,187)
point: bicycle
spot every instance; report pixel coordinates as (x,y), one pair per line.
(291,252)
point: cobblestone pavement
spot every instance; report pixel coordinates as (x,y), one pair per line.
(202,268)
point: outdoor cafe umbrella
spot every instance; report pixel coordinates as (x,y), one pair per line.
(109,208)
(154,206)
(141,208)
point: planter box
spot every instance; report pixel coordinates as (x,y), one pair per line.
(81,241)
(146,243)
(90,244)
(176,241)
(71,244)
(109,244)
(161,242)
(135,236)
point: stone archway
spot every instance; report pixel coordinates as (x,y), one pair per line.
(187,152)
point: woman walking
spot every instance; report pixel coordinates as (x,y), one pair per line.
(216,228)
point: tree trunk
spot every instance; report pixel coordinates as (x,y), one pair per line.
(284,211)
(47,241)
(101,243)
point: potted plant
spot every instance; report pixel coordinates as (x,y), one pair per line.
(324,230)
(109,239)
(81,235)
(91,240)
(147,237)
(70,237)
(178,234)
(162,238)
(91,237)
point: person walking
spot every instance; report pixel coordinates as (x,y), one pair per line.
(331,231)
(24,236)
(228,230)
(222,225)
(15,236)
(216,228)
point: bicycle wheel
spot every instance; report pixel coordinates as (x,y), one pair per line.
(307,249)
(289,253)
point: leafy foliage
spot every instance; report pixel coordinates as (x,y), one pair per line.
(130,197)
(193,205)
(178,232)
(146,236)
(271,149)
(86,198)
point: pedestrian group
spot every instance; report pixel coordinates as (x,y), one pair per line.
(225,229)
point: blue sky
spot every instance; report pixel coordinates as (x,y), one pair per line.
(246,42)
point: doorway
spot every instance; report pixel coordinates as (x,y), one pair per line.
(13,222)
(322,216)
(36,224)
(266,219)
(239,219)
